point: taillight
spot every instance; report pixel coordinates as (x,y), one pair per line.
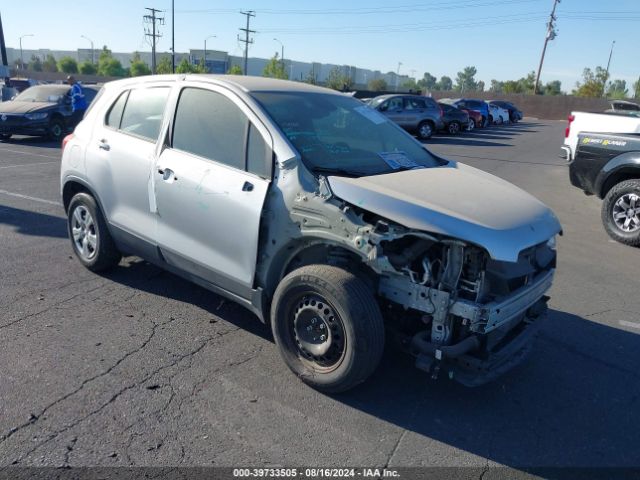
(65,140)
(570,119)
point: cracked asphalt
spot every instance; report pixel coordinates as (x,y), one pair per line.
(140,368)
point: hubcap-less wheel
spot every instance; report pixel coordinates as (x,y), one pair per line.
(83,229)
(472,125)
(318,332)
(453,128)
(626,213)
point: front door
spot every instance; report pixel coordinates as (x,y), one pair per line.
(209,205)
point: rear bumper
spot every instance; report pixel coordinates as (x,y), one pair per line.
(566,153)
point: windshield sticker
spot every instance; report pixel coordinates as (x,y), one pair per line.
(398,160)
(371,114)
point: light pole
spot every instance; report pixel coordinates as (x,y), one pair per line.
(398,76)
(205,50)
(93,59)
(604,84)
(21,59)
(281,52)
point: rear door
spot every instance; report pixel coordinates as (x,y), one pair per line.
(394,110)
(210,183)
(123,153)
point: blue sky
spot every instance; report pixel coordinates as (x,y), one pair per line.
(501,38)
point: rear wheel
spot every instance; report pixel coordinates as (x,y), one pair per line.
(328,327)
(471,124)
(425,130)
(621,212)
(453,128)
(90,237)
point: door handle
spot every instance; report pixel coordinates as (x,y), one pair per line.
(247,187)
(167,174)
(104,145)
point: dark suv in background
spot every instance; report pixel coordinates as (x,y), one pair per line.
(514,114)
(414,113)
(41,110)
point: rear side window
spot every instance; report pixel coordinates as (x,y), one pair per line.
(414,103)
(210,125)
(143,112)
(115,112)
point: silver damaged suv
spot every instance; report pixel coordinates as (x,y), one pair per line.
(319,215)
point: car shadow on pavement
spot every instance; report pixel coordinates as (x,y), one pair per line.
(144,276)
(33,223)
(573,403)
(41,142)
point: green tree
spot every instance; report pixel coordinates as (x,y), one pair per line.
(87,68)
(164,66)
(184,66)
(49,64)
(636,88)
(617,89)
(496,86)
(592,84)
(444,84)
(480,86)
(552,88)
(311,77)
(68,65)
(108,66)
(465,80)
(235,70)
(337,80)
(275,68)
(410,84)
(35,63)
(378,85)
(527,83)
(428,82)
(512,86)
(138,67)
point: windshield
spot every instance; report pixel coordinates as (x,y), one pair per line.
(340,134)
(43,94)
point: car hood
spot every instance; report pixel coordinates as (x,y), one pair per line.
(458,201)
(24,107)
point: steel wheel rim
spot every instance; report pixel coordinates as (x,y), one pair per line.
(626,213)
(425,130)
(317,332)
(472,124)
(84,233)
(453,128)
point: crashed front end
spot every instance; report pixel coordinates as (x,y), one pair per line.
(459,312)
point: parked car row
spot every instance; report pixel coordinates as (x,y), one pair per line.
(424,116)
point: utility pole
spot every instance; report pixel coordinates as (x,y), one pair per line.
(606,77)
(154,20)
(398,76)
(246,40)
(173,37)
(551,34)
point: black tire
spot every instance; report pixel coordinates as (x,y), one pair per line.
(100,255)
(623,191)
(454,128)
(57,129)
(490,120)
(5,136)
(425,130)
(345,305)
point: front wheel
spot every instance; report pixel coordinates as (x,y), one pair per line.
(621,212)
(56,129)
(425,130)
(90,237)
(328,327)
(471,125)
(453,128)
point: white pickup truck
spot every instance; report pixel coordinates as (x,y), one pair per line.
(580,122)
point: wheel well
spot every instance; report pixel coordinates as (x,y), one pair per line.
(57,116)
(69,190)
(616,178)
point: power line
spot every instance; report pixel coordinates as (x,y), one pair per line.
(246,40)
(551,34)
(153,19)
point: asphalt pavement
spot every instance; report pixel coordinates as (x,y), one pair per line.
(138,367)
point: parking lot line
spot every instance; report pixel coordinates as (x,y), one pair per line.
(27,197)
(29,153)
(28,164)
(624,323)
